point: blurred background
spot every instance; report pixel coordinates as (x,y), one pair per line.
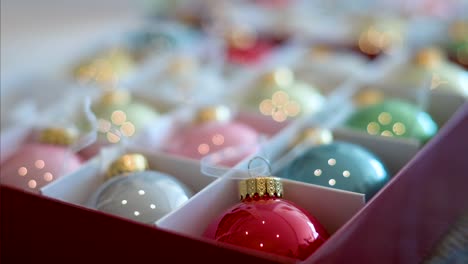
(39,38)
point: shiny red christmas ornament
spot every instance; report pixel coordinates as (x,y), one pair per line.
(266,222)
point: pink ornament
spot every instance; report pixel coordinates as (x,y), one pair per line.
(91,151)
(36,165)
(200,139)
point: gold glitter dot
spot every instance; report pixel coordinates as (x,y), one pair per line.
(280,98)
(48,176)
(22,171)
(373,128)
(218,139)
(39,164)
(266,107)
(386,133)
(112,138)
(385,118)
(118,117)
(32,184)
(399,128)
(127,129)
(203,149)
(279,116)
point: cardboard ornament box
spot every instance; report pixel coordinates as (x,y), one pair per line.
(403,223)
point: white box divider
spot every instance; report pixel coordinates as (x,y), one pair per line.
(11,139)
(78,187)
(332,207)
(395,153)
(443,105)
(192,218)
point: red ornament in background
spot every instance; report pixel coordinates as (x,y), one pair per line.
(266,222)
(246,46)
(250,55)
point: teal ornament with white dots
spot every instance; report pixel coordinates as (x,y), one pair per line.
(394,118)
(339,165)
(144,43)
(149,41)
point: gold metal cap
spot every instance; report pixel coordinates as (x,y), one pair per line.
(320,51)
(279,77)
(115,97)
(314,135)
(58,136)
(182,65)
(272,186)
(459,30)
(126,164)
(241,37)
(105,67)
(429,57)
(212,113)
(368,97)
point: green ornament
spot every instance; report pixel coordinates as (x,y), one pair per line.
(458,51)
(119,116)
(279,95)
(431,64)
(394,118)
(144,44)
(456,46)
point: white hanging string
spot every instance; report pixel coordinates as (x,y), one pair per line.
(84,140)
